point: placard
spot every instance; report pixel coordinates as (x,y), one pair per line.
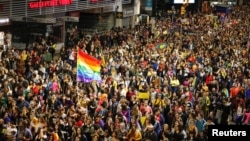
(1,38)
(143,95)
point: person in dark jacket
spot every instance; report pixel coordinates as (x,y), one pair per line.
(150,134)
(226,111)
(167,134)
(219,106)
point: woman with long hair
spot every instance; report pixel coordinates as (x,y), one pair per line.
(177,133)
(191,118)
(239,114)
(134,134)
(114,136)
(146,123)
(81,134)
(192,129)
(136,112)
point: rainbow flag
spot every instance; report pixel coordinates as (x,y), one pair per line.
(88,68)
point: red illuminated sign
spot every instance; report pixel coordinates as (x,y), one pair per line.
(48,3)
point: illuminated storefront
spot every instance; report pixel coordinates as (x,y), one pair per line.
(30,18)
(226,2)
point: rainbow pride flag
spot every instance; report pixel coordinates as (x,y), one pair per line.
(88,68)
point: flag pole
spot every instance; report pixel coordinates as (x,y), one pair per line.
(77,83)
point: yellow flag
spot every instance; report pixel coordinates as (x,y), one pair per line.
(143,95)
(54,46)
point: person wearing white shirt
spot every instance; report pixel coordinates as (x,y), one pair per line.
(1,53)
(123,91)
(11,132)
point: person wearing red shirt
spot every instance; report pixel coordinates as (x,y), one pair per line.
(234,91)
(209,78)
(129,94)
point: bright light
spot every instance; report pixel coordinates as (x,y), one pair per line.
(5,20)
(183,1)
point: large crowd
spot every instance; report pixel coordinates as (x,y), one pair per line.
(194,69)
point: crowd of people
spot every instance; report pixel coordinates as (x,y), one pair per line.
(162,82)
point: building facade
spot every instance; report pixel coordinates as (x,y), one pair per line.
(27,19)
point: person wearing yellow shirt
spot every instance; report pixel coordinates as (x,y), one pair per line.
(158,102)
(115,84)
(134,134)
(103,61)
(174,83)
(205,103)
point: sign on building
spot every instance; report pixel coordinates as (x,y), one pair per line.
(119,15)
(1,38)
